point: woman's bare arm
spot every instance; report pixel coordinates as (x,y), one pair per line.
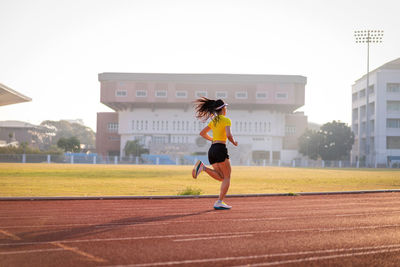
(230,136)
(204,133)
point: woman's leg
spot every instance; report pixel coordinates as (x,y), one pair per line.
(225,168)
(216,173)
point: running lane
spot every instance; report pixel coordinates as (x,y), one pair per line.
(334,230)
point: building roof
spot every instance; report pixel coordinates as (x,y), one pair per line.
(200,77)
(16,124)
(8,96)
(391,65)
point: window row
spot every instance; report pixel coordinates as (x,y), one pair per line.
(393,87)
(164,125)
(112,127)
(181,125)
(393,123)
(393,106)
(218,94)
(256,127)
(170,140)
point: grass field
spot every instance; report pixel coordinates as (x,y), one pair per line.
(132,180)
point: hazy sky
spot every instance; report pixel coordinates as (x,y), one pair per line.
(53,50)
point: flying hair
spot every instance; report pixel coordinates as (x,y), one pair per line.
(206,109)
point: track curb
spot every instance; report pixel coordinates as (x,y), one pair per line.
(200,196)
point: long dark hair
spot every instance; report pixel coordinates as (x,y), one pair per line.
(207,108)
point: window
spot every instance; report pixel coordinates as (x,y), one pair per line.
(393,87)
(354,97)
(281,95)
(181,94)
(393,123)
(141,93)
(371,90)
(201,94)
(241,95)
(393,106)
(290,130)
(121,93)
(161,93)
(261,95)
(221,94)
(355,114)
(393,142)
(362,93)
(113,127)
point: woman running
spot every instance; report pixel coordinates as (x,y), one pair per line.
(218,153)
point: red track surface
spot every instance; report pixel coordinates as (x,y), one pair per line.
(334,230)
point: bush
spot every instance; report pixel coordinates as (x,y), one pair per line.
(10,150)
(189,191)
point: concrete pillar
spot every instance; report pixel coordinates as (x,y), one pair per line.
(72,159)
(94,159)
(158,161)
(115,159)
(270,157)
(23,158)
(48,158)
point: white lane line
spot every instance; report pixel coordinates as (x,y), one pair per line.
(11,235)
(79,252)
(370,227)
(141,223)
(30,251)
(336,256)
(208,238)
(254,257)
(106,224)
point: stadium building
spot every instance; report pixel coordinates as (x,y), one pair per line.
(157,110)
(383,116)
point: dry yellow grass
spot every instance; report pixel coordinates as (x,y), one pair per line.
(133,180)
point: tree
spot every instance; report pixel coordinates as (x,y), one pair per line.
(337,141)
(65,129)
(332,142)
(71,144)
(309,144)
(134,148)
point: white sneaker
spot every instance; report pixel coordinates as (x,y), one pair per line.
(220,205)
(197,169)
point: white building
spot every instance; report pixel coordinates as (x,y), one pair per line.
(383,118)
(157,109)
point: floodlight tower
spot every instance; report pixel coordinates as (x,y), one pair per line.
(367,36)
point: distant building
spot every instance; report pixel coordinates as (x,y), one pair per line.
(16,132)
(384,114)
(157,110)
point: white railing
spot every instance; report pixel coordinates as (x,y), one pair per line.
(164,160)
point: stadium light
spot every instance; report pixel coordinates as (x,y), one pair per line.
(367,36)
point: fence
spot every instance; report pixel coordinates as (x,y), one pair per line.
(167,160)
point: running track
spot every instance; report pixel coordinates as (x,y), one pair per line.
(320,230)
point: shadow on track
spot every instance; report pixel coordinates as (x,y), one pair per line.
(49,235)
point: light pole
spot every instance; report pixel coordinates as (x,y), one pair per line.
(367,36)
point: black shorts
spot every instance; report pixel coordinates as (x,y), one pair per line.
(217,153)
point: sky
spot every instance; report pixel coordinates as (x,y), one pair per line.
(52,51)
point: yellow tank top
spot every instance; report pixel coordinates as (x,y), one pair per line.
(218,129)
